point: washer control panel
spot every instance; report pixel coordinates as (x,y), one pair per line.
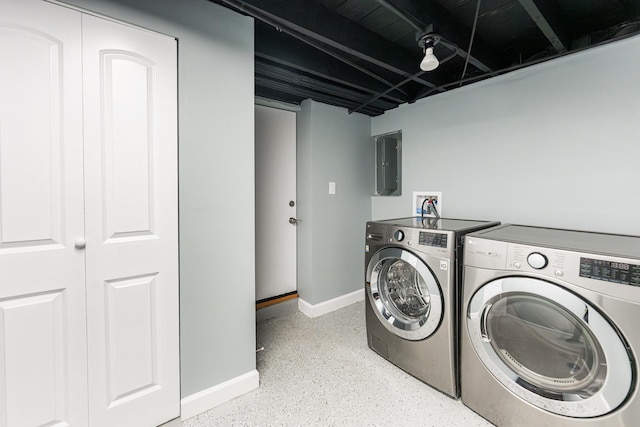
(437,240)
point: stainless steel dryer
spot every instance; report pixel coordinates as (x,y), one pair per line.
(551,327)
(412,276)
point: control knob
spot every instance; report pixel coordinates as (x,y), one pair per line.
(537,260)
(399,235)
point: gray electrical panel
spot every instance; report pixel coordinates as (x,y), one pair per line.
(388,164)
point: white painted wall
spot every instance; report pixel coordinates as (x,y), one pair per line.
(556,144)
(216,172)
(333,146)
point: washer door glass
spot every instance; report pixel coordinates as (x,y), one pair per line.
(551,347)
(405,294)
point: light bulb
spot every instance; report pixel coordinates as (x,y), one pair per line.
(429,62)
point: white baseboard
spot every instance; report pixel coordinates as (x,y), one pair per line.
(204,400)
(331,305)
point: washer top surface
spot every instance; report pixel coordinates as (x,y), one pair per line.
(445,224)
(581,241)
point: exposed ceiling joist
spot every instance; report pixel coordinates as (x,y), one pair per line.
(484,57)
(320,24)
(277,73)
(417,24)
(363,55)
(544,13)
(307,93)
(279,47)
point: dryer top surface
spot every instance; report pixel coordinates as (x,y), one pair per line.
(444,224)
(581,241)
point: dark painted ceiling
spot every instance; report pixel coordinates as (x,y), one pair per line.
(363,55)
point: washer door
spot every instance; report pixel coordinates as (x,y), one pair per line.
(550,347)
(404,293)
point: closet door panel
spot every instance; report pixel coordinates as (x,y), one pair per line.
(128,179)
(43,367)
(33,340)
(131,222)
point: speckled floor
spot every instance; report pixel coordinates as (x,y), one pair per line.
(320,372)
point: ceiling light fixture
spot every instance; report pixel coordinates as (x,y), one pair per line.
(430,61)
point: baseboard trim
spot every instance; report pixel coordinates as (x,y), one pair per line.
(311,310)
(204,400)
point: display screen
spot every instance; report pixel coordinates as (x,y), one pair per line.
(608,271)
(437,240)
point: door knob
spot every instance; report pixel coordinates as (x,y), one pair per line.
(80,243)
(294,221)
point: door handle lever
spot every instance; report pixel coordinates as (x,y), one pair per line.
(294,221)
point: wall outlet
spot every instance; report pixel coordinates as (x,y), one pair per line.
(418,199)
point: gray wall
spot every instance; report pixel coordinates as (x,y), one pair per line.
(556,144)
(216,151)
(332,146)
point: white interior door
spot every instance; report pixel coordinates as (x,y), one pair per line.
(275,150)
(130,113)
(43,367)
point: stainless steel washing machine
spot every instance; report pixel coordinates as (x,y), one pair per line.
(412,276)
(551,327)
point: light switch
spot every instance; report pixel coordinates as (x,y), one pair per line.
(332,188)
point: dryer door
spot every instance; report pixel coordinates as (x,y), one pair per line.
(550,347)
(404,293)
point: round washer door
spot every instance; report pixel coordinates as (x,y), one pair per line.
(404,293)
(550,347)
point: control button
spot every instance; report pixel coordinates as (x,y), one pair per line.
(537,260)
(559,273)
(409,243)
(399,235)
(517,264)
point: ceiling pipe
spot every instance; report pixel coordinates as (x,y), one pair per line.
(306,93)
(543,25)
(278,73)
(324,76)
(414,22)
(380,95)
(285,25)
(335,55)
(423,29)
(519,66)
(256,14)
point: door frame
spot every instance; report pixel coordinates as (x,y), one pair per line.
(276,236)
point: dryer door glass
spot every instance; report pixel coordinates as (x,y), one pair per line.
(550,347)
(546,345)
(404,293)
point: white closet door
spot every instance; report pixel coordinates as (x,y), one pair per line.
(43,366)
(130,112)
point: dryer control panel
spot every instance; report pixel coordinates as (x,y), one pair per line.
(609,271)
